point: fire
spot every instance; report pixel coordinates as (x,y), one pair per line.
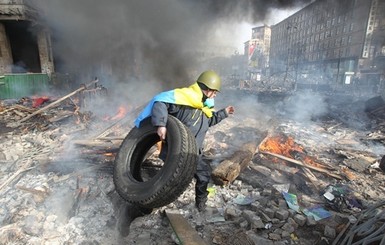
(281,144)
(286,146)
(122,111)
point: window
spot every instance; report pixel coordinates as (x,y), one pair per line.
(343,40)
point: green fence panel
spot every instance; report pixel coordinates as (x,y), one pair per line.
(16,86)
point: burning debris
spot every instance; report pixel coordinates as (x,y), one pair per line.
(275,180)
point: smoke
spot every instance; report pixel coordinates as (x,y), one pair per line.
(304,107)
(138,48)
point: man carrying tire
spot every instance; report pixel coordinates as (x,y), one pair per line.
(193,106)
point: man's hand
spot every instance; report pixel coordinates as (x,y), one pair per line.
(162,132)
(229,110)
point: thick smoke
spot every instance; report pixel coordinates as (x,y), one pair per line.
(146,46)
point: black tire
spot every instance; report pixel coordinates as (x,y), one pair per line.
(174,176)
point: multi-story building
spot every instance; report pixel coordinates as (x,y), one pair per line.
(332,44)
(25,45)
(257,51)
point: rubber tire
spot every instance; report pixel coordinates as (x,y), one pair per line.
(172,179)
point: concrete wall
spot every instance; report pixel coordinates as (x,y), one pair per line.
(45,52)
(5,52)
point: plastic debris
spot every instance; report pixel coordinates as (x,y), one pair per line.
(244,200)
(291,200)
(317,212)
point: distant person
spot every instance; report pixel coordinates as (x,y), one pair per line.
(193,106)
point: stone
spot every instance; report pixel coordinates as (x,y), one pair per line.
(254,220)
(300,219)
(329,232)
(282,214)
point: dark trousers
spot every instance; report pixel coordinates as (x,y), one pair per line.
(202,176)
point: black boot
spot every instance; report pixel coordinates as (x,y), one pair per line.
(201,194)
(200,203)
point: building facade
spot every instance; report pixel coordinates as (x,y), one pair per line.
(332,44)
(257,50)
(25,44)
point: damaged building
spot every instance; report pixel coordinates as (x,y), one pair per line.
(332,46)
(26,60)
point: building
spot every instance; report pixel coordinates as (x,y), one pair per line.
(333,44)
(25,45)
(257,50)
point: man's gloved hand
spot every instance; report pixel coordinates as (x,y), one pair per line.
(161,131)
(230,109)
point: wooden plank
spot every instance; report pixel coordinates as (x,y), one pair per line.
(228,170)
(183,230)
(303,165)
(55,103)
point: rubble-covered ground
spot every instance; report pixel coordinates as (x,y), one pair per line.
(315,179)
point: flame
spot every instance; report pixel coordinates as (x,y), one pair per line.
(108,154)
(286,146)
(122,111)
(281,144)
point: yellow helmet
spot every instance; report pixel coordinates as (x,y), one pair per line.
(211,79)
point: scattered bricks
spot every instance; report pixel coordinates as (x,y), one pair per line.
(269,212)
(226,197)
(255,206)
(329,232)
(256,194)
(258,239)
(300,219)
(288,228)
(282,214)
(285,234)
(231,213)
(263,201)
(310,221)
(244,191)
(292,222)
(282,204)
(264,216)
(292,212)
(278,231)
(254,220)
(266,192)
(280,243)
(275,221)
(274,237)
(244,224)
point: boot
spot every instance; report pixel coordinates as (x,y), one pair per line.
(200,203)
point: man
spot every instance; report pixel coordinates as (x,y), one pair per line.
(193,106)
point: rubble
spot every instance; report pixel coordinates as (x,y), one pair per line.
(324,186)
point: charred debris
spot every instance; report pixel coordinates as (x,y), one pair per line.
(276,180)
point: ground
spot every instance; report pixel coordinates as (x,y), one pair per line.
(57,191)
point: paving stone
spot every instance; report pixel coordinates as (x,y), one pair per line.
(282,214)
(300,219)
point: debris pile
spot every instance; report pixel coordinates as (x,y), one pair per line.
(317,183)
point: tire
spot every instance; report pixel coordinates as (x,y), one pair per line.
(170,180)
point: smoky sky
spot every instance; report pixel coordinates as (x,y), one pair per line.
(132,40)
